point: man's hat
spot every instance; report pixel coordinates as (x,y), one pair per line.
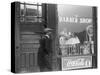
(47,29)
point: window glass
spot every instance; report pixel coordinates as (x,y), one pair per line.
(31,13)
(40,11)
(22,9)
(31,10)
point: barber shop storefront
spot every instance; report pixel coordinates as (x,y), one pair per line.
(52,37)
(77,36)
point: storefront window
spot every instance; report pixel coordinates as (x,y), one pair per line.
(75,30)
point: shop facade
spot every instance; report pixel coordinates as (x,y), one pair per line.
(74,36)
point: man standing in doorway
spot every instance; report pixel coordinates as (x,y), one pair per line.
(45,51)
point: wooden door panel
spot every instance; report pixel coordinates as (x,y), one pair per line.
(31,59)
(31,27)
(28,62)
(22,59)
(29,45)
